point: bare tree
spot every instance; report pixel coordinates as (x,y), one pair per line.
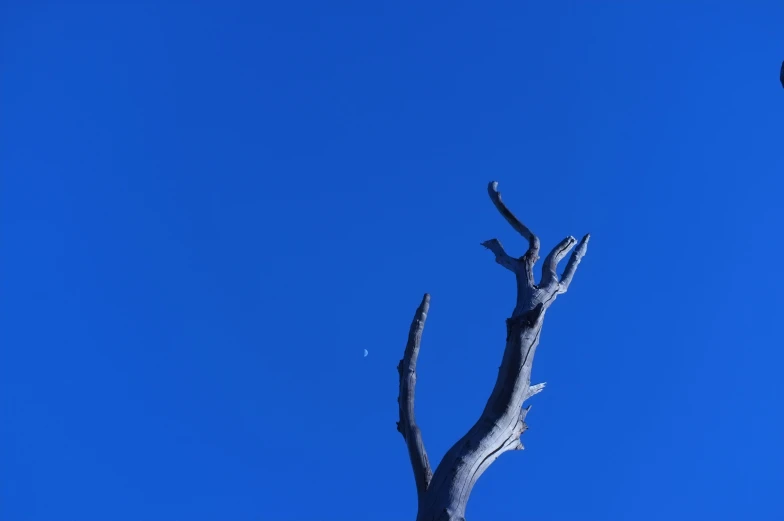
(443,495)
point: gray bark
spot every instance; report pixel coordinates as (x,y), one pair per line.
(443,495)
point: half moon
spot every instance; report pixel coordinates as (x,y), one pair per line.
(365,352)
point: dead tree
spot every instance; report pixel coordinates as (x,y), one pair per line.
(443,495)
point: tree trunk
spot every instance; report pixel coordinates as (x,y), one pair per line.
(443,495)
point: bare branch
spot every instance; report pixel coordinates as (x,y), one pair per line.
(535,389)
(501,257)
(407,424)
(533,240)
(574,261)
(550,266)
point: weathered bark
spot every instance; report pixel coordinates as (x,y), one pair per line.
(443,496)
(407,424)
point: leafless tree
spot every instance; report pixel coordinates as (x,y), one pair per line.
(443,495)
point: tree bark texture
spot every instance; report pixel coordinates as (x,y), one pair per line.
(443,495)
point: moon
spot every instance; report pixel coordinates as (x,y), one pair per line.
(365,352)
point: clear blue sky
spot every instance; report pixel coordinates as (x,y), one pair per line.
(210,210)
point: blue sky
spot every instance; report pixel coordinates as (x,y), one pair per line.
(209,210)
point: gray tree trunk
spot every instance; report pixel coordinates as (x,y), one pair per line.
(443,495)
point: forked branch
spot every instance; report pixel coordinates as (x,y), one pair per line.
(407,425)
(574,261)
(550,265)
(533,240)
(523,267)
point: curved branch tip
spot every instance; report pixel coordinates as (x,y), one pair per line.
(533,241)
